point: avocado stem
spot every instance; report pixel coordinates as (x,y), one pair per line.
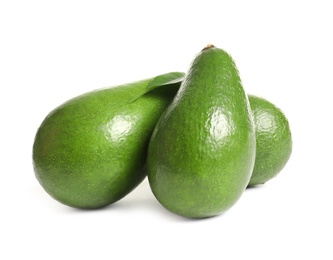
(209,45)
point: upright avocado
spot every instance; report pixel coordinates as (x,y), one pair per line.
(273,140)
(91,151)
(202,151)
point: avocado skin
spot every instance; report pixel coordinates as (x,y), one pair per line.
(273,140)
(202,151)
(91,151)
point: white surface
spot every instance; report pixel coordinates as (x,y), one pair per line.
(51,51)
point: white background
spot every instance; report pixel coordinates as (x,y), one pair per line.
(54,50)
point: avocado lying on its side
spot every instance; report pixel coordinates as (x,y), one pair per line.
(91,151)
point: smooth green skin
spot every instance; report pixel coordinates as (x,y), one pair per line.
(273,140)
(202,151)
(91,151)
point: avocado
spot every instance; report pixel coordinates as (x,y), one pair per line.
(273,140)
(90,151)
(201,153)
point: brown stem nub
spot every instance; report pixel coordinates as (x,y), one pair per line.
(208,46)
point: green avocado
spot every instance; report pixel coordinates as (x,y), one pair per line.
(273,140)
(202,151)
(91,151)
